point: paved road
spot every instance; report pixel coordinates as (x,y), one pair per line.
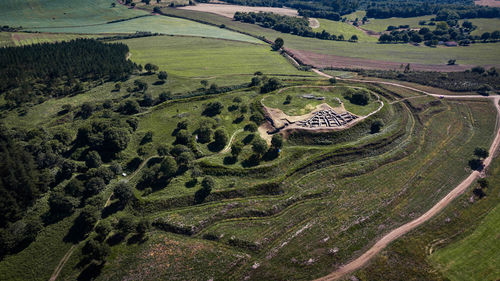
(459,189)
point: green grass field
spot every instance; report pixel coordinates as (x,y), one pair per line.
(203,57)
(484,25)
(157,24)
(338,28)
(476,255)
(301,106)
(426,253)
(93,16)
(23,38)
(380,25)
(355,15)
(38,13)
(476,54)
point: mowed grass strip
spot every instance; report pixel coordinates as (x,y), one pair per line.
(474,256)
(348,30)
(23,38)
(192,57)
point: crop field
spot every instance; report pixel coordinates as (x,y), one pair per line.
(31,14)
(393,54)
(204,57)
(157,24)
(380,25)
(348,30)
(22,38)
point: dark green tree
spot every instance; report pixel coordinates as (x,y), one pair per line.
(278,44)
(123,192)
(93,159)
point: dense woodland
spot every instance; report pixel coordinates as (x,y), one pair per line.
(37,72)
(286,24)
(443,31)
(387,9)
(333,10)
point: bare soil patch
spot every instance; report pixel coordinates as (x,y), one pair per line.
(229,10)
(313,23)
(490,3)
(322,61)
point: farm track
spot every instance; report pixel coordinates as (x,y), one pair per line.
(457,191)
(228,145)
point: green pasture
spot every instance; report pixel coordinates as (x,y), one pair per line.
(475,255)
(32,14)
(355,15)
(46,114)
(476,54)
(301,106)
(209,58)
(423,177)
(348,30)
(380,25)
(157,24)
(484,25)
(425,253)
(23,38)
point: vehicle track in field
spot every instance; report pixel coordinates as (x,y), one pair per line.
(457,191)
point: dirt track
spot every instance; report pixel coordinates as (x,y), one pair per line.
(457,191)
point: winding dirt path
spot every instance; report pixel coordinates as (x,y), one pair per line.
(228,145)
(457,191)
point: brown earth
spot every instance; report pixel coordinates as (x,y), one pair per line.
(322,61)
(490,3)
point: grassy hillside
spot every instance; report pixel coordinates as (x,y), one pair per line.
(193,57)
(38,13)
(484,25)
(468,228)
(301,106)
(157,24)
(475,255)
(401,53)
(348,30)
(93,16)
(380,25)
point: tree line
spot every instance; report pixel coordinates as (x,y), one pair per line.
(444,31)
(287,24)
(37,72)
(406,9)
(484,81)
